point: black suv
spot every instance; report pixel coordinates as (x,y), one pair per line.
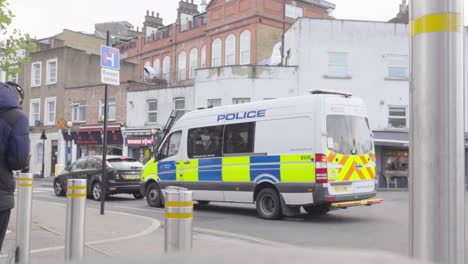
(123,176)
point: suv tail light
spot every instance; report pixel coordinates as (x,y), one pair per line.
(321,172)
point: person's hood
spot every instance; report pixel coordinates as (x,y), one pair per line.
(8,97)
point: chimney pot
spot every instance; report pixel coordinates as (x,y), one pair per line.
(157,14)
(152,13)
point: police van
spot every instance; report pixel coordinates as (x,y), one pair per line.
(314,151)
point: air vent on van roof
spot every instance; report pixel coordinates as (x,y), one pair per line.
(345,94)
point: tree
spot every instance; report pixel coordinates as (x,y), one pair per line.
(14,46)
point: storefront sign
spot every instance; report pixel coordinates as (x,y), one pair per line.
(96,138)
(139,141)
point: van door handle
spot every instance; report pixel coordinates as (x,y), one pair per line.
(176,163)
(187,162)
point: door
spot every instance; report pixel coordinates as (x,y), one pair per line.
(53,157)
(169,172)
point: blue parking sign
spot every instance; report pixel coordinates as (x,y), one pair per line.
(110,58)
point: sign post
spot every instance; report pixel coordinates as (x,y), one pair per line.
(110,74)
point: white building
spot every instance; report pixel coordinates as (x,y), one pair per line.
(368,59)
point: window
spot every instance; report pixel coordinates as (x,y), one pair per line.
(230,58)
(397,66)
(193,62)
(111,110)
(34,112)
(349,135)
(205,142)
(146,71)
(240,100)
(293,11)
(239,138)
(171,146)
(50,111)
(203,57)
(397,117)
(338,65)
(79,112)
(179,107)
(216,53)
(36,74)
(51,71)
(157,68)
(245,47)
(166,68)
(79,165)
(152,106)
(214,102)
(39,152)
(182,67)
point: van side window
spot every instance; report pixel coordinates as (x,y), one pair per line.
(239,138)
(171,146)
(205,142)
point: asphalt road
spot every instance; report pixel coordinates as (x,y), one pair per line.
(379,227)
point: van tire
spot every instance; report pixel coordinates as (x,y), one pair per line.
(317,210)
(154,195)
(268,204)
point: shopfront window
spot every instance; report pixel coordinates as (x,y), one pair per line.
(396,168)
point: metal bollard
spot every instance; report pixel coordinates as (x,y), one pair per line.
(178,220)
(23,215)
(75,224)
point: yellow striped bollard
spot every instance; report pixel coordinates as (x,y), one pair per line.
(178,220)
(75,223)
(23,218)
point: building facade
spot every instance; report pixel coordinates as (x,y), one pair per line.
(59,62)
(237,32)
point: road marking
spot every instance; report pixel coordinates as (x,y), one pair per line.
(239,236)
(204,230)
(155,224)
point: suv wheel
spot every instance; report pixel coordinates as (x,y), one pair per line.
(58,188)
(96,191)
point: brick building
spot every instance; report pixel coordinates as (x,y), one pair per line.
(235,32)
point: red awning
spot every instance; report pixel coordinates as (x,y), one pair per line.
(99,128)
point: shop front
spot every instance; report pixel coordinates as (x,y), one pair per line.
(140,147)
(89,141)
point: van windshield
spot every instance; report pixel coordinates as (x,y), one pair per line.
(349,135)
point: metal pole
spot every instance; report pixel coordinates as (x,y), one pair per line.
(23,215)
(437,131)
(178,220)
(67,149)
(75,222)
(104,145)
(284,32)
(43,158)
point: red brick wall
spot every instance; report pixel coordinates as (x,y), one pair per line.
(91,95)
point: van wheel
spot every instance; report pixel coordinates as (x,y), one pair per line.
(154,195)
(317,210)
(268,204)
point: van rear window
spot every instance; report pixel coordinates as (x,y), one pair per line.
(349,135)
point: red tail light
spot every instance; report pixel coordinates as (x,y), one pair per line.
(321,172)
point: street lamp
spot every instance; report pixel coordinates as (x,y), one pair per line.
(68,146)
(43,138)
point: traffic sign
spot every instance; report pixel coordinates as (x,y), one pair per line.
(110,58)
(109,76)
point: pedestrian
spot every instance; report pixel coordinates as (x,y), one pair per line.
(14,148)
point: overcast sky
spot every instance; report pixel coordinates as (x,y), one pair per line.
(43,18)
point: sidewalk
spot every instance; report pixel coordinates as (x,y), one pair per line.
(113,236)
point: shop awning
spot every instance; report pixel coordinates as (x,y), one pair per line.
(397,138)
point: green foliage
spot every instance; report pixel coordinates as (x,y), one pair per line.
(15,47)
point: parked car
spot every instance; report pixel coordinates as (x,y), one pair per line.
(123,176)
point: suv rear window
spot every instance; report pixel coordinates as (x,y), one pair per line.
(125,164)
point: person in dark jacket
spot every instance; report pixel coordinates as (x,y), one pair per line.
(14,148)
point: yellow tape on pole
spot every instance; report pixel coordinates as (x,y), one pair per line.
(444,22)
(76,195)
(179,204)
(25,185)
(179,215)
(77,187)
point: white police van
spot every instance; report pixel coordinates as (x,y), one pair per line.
(314,151)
